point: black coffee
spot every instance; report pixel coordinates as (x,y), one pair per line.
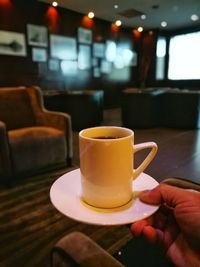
(106,137)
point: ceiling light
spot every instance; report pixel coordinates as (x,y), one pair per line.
(140,29)
(91,15)
(143,16)
(118,23)
(194,17)
(116,6)
(54,3)
(163,24)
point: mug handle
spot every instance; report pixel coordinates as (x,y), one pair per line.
(148,158)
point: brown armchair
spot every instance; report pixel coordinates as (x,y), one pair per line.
(32,139)
(78,250)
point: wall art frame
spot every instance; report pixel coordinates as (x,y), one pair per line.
(12,43)
(69,67)
(39,54)
(84,57)
(99,50)
(84,35)
(63,48)
(53,64)
(37,35)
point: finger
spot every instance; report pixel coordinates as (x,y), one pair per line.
(150,233)
(163,193)
(137,227)
(155,236)
(171,231)
(159,220)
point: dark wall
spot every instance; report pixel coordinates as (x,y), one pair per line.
(18,70)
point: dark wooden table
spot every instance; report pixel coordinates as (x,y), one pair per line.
(178,153)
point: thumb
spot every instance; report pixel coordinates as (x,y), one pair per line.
(163,193)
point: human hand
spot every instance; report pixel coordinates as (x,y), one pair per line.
(176,225)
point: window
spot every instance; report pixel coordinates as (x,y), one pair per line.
(184,57)
(160,58)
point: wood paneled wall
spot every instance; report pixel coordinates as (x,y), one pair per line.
(17,70)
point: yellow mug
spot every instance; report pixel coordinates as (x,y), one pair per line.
(106,165)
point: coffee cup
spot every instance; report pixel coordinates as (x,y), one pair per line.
(107,165)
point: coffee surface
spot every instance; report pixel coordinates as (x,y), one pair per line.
(106,137)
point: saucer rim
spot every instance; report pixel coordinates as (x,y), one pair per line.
(82,208)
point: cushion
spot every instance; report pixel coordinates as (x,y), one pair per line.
(15,108)
(37,147)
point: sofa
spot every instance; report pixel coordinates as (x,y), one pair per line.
(32,139)
(181,109)
(161,107)
(141,108)
(84,107)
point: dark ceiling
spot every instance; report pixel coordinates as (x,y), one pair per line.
(177,13)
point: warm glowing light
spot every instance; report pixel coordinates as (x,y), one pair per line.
(52,19)
(87,22)
(164,24)
(115,6)
(54,3)
(140,29)
(194,17)
(136,34)
(5,3)
(91,15)
(118,23)
(114,29)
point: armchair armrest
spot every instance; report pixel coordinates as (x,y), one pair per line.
(182,183)
(57,120)
(76,250)
(60,121)
(5,158)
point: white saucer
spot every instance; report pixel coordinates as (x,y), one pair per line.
(65,196)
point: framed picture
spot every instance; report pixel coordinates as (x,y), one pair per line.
(129,57)
(106,66)
(110,51)
(84,35)
(54,64)
(39,54)
(64,48)
(37,35)
(84,57)
(99,50)
(96,72)
(69,67)
(12,43)
(95,62)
